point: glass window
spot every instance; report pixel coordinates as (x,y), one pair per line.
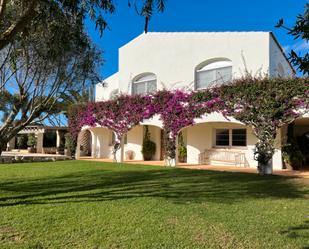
(222,137)
(214,73)
(239,137)
(145,84)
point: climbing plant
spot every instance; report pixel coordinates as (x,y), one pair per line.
(264,104)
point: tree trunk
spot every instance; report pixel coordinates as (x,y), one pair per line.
(2,148)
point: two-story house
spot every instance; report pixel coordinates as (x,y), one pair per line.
(190,61)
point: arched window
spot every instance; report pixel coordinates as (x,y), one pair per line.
(213,72)
(145,83)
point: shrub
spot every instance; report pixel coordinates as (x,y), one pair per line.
(31,140)
(149,147)
(70,144)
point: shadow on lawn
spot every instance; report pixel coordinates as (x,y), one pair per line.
(298,231)
(178,185)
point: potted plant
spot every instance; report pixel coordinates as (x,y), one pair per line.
(292,155)
(129,155)
(31,142)
(182,153)
(149,147)
(69,145)
(182,149)
(263,154)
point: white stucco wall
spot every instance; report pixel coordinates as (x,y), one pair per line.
(278,63)
(135,139)
(201,137)
(173,57)
(104,89)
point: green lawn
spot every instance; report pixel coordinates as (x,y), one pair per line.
(78,204)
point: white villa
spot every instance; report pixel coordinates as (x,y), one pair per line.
(191,61)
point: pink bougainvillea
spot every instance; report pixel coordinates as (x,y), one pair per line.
(265,104)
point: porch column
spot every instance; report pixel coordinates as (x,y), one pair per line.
(94,141)
(58,140)
(120,152)
(39,142)
(277,157)
(122,149)
(176,152)
(11,144)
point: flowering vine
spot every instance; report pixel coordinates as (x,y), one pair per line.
(264,104)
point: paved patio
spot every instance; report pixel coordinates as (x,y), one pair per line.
(284,172)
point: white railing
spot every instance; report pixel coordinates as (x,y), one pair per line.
(235,157)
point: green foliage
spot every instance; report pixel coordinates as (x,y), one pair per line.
(299,31)
(70,143)
(182,149)
(182,152)
(292,154)
(21,141)
(17,17)
(266,105)
(31,140)
(149,147)
(291,151)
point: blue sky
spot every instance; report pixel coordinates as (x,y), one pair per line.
(198,15)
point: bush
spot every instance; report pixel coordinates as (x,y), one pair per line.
(70,144)
(292,155)
(182,153)
(31,140)
(149,147)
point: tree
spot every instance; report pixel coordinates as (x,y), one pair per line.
(17,16)
(59,115)
(299,31)
(36,70)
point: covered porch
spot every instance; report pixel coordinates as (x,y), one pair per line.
(47,140)
(211,140)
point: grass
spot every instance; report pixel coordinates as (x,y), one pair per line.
(79,204)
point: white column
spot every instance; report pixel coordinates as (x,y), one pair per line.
(120,152)
(176,152)
(58,140)
(277,157)
(11,144)
(77,151)
(94,139)
(39,142)
(122,149)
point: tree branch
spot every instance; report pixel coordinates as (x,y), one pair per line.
(7,36)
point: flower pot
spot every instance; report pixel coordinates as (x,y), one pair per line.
(171,162)
(182,159)
(147,157)
(265,169)
(67,152)
(30,150)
